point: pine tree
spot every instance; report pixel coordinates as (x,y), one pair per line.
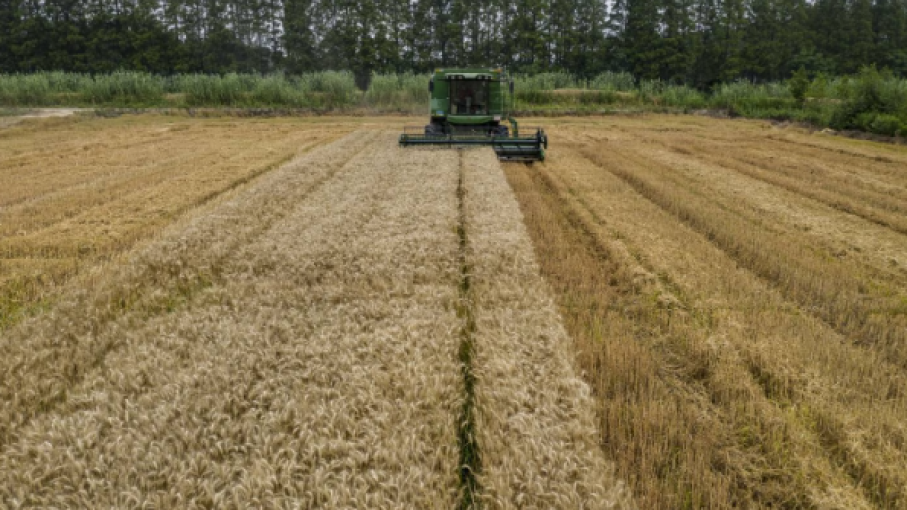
(527,35)
(9,27)
(299,37)
(676,50)
(588,57)
(764,51)
(860,37)
(616,30)
(890,28)
(641,40)
(828,23)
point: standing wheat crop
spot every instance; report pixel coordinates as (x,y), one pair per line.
(295,347)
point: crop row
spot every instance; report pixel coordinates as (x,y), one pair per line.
(741,336)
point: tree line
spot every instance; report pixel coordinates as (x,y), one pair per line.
(693,42)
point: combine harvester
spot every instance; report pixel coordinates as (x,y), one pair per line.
(468,107)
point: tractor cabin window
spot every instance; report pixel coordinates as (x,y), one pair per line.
(469,97)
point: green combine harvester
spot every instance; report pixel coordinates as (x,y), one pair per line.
(468,108)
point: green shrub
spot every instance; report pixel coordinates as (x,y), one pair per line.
(534,97)
(213,90)
(67,83)
(599,97)
(872,101)
(331,88)
(799,84)
(650,90)
(746,98)
(872,94)
(682,96)
(884,124)
(819,87)
(547,81)
(406,91)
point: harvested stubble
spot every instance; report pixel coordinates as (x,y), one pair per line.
(296,346)
(79,190)
(741,334)
(534,415)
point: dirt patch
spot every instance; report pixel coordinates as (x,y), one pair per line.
(44,113)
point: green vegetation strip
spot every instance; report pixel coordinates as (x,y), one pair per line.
(470,460)
(871,101)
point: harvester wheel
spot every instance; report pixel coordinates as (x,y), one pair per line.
(502,131)
(434,130)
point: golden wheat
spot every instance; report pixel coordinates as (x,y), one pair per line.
(367,326)
(316,366)
(78,191)
(737,361)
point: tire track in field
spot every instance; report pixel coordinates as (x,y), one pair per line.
(120,146)
(896,154)
(876,246)
(470,456)
(119,214)
(56,188)
(44,357)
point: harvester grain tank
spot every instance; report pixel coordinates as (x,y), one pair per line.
(468,107)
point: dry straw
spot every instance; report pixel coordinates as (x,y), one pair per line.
(81,190)
(741,336)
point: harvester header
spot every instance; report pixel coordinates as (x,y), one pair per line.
(468,107)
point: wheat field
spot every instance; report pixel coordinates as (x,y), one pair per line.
(669,312)
(736,294)
(331,332)
(79,191)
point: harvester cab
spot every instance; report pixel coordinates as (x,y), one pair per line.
(468,107)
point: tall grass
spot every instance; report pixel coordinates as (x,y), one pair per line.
(120,87)
(204,90)
(407,92)
(321,89)
(618,82)
(870,101)
(24,90)
(326,89)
